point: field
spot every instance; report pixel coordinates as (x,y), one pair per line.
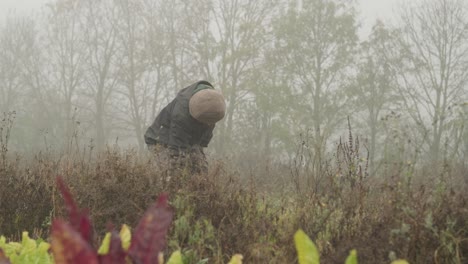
(410,213)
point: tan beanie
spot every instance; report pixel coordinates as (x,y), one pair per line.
(207,106)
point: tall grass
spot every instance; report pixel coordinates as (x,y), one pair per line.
(227,211)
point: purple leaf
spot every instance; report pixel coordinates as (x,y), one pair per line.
(149,237)
(79,219)
(69,247)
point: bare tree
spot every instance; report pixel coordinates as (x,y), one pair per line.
(39,115)
(100,36)
(66,54)
(435,42)
(374,89)
(135,68)
(318,41)
(171,15)
(240,30)
(13,43)
(157,50)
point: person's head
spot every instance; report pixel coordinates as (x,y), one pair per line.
(207,106)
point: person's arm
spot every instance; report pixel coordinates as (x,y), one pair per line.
(207,136)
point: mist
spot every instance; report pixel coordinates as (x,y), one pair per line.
(87,72)
(348,119)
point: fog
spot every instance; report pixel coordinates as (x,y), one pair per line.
(369,10)
(96,73)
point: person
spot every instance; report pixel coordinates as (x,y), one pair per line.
(185,126)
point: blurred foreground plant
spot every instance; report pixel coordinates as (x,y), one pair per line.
(28,251)
(71,240)
(307,252)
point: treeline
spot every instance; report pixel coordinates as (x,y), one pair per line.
(92,73)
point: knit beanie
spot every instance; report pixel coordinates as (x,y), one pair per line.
(207,106)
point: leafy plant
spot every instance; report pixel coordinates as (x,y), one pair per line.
(176,258)
(307,252)
(125,236)
(352,258)
(71,240)
(28,251)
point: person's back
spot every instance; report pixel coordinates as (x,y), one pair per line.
(185,126)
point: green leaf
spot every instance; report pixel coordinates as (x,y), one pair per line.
(28,245)
(126,237)
(43,247)
(28,251)
(306,250)
(352,258)
(400,261)
(176,258)
(105,245)
(236,259)
(12,248)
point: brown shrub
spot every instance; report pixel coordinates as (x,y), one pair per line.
(226,212)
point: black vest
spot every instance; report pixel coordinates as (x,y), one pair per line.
(175,127)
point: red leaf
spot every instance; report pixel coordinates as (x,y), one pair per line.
(149,237)
(69,247)
(116,253)
(79,219)
(3,258)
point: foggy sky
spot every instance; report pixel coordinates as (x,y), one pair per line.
(19,6)
(370,9)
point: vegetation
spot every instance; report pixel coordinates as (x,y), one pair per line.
(28,251)
(408,214)
(70,241)
(81,80)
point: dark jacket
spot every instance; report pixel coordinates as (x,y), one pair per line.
(175,127)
